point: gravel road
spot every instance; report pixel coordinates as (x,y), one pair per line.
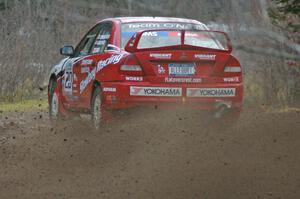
(151,154)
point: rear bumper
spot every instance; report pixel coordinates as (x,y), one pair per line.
(119,95)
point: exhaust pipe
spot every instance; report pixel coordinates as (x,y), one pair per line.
(222,108)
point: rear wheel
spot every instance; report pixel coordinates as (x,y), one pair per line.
(97,108)
(225,118)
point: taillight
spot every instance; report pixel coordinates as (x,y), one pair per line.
(131,67)
(232,69)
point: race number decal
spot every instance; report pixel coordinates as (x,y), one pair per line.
(68,78)
(68,81)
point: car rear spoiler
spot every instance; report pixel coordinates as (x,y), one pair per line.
(132,44)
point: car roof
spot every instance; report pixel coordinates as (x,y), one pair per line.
(153,19)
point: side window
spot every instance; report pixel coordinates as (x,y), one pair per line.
(84,47)
(102,39)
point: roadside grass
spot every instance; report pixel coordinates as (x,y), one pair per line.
(23,106)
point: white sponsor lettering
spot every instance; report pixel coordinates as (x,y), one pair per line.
(138,79)
(205,56)
(150,34)
(89,78)
(86,62)
(211,92)
(182,80)
(114,59)
(107,89)
(180,26)
(104,36)
(85,70)
(155,91)
(100,42)
(96,50)
(231,79)
(75,77)
(161,56)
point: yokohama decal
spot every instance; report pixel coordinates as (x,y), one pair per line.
(155,91)
(211,92)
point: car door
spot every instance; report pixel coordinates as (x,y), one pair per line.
(71,66)
(85,68)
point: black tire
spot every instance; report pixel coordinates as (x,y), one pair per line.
(227,119)
(97,108)
(54,109)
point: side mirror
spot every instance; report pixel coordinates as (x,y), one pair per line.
(67,51)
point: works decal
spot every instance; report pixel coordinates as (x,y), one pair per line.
(155,91)
(136,79)
(231,79)
(211,92)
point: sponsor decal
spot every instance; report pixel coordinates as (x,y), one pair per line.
(155,91)
(161,56)
(100,42)
(96,50)
(104,37)
(107,89)
(189,34)
(160,69)
(211,92)
(91,76)
(68,78)
(231,79)
(75,77)
(205,56)
(150,34)
(86,62)
(85,69)
(182,80)
(137,79)
(114,59)
(178,26)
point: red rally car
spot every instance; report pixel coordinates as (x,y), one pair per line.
(131,61)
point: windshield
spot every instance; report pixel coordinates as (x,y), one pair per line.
(128,29)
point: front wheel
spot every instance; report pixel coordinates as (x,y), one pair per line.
(97,108)
(54,109)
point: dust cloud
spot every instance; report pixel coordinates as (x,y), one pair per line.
(151,153)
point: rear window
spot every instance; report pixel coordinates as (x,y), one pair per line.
(129,29)
(164,38)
